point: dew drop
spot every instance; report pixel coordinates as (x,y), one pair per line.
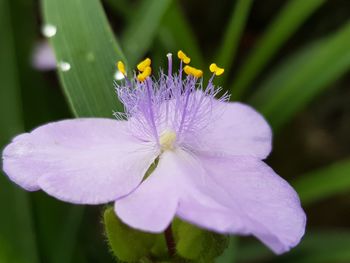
(64,66)
(49,30)
(90,56)
(118,75)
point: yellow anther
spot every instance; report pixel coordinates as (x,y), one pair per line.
(141,77)
(216,70)
(167,140)
(121,67)
(145,74)
(181,55)
(144,64)
(147,71)
(193,71)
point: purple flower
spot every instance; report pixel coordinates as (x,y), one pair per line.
(43,57)
(208,154)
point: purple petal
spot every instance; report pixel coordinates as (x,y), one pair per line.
(235,129)
(85,161)
(152,206)
(247,197)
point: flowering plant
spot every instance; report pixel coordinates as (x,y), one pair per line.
(178,150)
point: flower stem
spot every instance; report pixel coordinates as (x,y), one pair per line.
(170,242)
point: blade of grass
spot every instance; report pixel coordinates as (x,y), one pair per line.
(302,77)
(317,246)
(227,51)
(84,40)
(142,29)
(42,103)
(283,26)
(57,229)
(16,228)
(175,33)
(323,246)
(122,7)
(324,183)
(42,100)
(39,105)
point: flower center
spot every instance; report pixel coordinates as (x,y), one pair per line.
(171,109)
(167,140)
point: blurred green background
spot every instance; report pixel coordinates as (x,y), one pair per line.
(290,59)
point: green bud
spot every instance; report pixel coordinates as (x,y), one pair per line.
(127,244)
(196,244)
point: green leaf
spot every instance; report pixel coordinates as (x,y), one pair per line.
(302,77)
(226,53)
(126,243)
(16,226)
(41,100)
(175,33)
(121,7)
(58,230)
(142,29)
(198,245)
(323,183)
(323,246)
(230,252)
(84,40)
(317,246)
(282,27)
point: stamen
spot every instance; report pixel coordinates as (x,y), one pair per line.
(216,70)
(197,73)
(184,58)
(151,113)
(168,110)
(145,74)
(144,64)
(121,67)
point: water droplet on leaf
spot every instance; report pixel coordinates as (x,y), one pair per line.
(90,56)
(64,66)
(49,30)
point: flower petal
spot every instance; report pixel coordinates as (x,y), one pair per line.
(85,161)
(250,199)
(235,129)
(152,206)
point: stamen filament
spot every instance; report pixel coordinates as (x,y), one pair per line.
(151,113)
(170,64)
(187,96)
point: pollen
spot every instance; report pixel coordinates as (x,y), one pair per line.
(167,140)
(146,73)
(121,67)
(181,55)
(193,71)
(144,64)
(216,70)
